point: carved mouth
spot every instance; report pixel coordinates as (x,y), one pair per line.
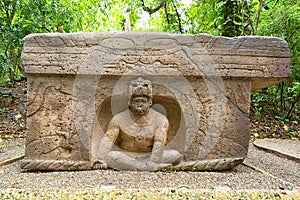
(140,111)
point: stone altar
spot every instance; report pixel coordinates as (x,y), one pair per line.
(79,83)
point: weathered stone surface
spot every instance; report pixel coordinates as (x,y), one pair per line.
(77,82)
(252,57)
(285,148)
(140,133)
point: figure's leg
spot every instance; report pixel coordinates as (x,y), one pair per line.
(170,156)
(121,161)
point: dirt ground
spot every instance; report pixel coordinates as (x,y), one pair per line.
(13,110)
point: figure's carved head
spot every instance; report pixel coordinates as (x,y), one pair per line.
(140,87)
(140,99)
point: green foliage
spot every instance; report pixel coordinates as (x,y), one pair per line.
(223,17)
(5,65)
(20,18)
(279,101)
(201,17)
(2,147)
(281,19)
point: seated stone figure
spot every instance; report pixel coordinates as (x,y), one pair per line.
(140,133)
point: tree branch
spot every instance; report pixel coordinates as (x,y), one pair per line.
(10,15)
(178,17)
(166,12)
(294,45)
(151,11)
(250,20)
(258,16)
(292,34)
(292,107)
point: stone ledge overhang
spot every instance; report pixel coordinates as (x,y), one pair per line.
(263,60)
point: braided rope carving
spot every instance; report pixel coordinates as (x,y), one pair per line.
(215,164)
(55,165)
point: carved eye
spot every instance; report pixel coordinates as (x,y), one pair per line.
(161,43)
(117,43)
(145,85)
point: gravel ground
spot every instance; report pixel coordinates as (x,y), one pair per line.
(283,168)
(285,176)
(240,178)
(11,148)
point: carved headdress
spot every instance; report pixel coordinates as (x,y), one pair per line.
(140,87)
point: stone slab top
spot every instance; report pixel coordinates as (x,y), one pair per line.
(250,57)
(285,148)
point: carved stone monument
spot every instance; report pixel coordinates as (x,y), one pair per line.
(144,101)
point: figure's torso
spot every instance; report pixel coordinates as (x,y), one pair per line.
(139,138)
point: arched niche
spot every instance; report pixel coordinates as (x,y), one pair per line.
(167,105)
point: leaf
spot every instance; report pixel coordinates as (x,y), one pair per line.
(285,127)
(237,23)
(18,116)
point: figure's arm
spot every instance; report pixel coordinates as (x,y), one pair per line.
(106,144)
(159,142)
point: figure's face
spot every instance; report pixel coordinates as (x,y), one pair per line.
(140,105)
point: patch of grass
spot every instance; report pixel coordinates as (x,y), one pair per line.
(159,194)
(295,134)
(2,147)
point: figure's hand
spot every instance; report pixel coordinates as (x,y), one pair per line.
(153,166)
(98,164)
